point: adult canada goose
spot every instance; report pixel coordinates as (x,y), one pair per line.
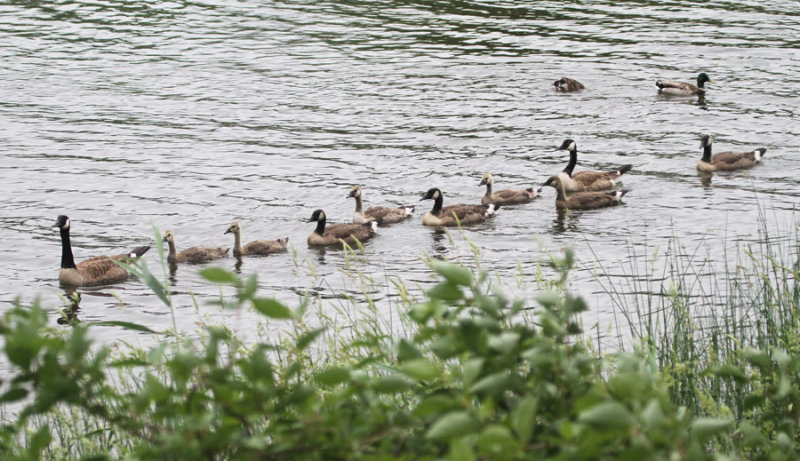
(505,196)
(97,270)
(582,200)
(727,161)
(587,180)
(192,255)
(454,214)
(333,234)
(382,214)
(683,89)
(256,247)
(566,85)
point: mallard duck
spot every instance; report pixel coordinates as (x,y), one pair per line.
(194,255)
(454,215)
(333,234)
(97,270)
(566,85)
(256,247)
(382,214)
(505,196)
(582,200)
(587,180)
(683,89)
(727,161)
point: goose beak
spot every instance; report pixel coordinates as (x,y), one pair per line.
(423,198)
(227,231)
(55,225)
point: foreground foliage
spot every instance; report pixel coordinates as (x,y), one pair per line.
(478,378)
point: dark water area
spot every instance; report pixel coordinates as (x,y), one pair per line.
(190,115)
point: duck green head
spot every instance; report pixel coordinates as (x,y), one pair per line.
(702,79)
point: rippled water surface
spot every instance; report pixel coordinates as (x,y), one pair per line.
(188,115)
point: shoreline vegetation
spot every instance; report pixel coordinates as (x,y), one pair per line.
(710,368)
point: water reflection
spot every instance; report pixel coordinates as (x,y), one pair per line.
(69,312)
(566,221)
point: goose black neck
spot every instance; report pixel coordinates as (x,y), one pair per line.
(359,205)
(707,153)
(573,160)
(320,227)
(67,262)
(437,205)
(489,188)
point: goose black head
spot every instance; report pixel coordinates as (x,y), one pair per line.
(317,215)
(706,140)
(568,144)
(62,222)
(432,194)
(234,227)
(552,181)
(355,191)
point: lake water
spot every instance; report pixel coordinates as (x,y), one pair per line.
(126,115)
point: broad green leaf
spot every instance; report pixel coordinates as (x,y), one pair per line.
(548,299)
(457,423)
(308,338)
(420,369)
(434,405)
(704,429)
(272,308)
(497,441)
(406,350)
(392,384)
(446,291)
(333,376)
(218,275)
(452,272)
(730,371)
(461,450)
(757,357)
(752,437)
(472,370)
(608,414)
(14,395)
(523,418)
(492,384)
(504,342)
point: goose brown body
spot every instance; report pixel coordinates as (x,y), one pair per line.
(727,161)
(454,215)
(256,247)
(192,255)
(672,88)
(333,234)
(94,271)
(583,200)
(587,180)
(381,214)
(505,196)
(566,85)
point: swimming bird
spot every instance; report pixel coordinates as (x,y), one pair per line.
(97,270)
(454,214)
(683,89)
(582,200)
(505,196)
(566,85)
(587,180)
(256,247)
(194,255)
(382,214)
(727,161)
(333,234)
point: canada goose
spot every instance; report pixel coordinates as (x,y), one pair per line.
(582,200)
(333,234)
(382,214)
(587,180)
(256,247)
(454,214)
(97,270)
(683,89)
(727,161)
(506,196)
(192,255)
(566,85)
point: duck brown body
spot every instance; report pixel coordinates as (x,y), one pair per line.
(333,234)
(583,200)
(454,215)
(727,161)
(587,180)
(192,255)
(505,196)
(94,271)
(673,88)
(381,214)
(567,85)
